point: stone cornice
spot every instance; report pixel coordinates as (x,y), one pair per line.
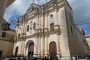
(6,40)
(40,34)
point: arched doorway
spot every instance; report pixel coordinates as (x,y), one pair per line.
(52,49)
(31,49)
(16,51)
(1,53)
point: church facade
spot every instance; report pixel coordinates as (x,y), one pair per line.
(49,30)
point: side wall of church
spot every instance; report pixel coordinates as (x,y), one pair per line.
(76,38)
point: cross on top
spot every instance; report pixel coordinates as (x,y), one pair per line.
(33,1)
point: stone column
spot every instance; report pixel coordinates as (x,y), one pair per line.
(41,47)
(58,46)
(26,51)
(23,46)
(35,46)
(40,35)
(47,45)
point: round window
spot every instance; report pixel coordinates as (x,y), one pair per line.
(51,16)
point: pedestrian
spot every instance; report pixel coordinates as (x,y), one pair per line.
(18,58)
(24,58)
(46,58)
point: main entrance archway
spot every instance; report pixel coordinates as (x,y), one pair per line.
(52,49)
(30,46)
(31,49)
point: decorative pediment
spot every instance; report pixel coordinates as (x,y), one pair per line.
(34,7)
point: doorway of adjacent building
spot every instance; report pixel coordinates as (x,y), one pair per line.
(31,49)
(52,49)
(0,53)
(16,51)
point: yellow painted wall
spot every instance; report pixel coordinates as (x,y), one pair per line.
(6,44)
(6,47)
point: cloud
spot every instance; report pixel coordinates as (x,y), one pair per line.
(18,7)
(81,13)
(41,2)
(81,10)
(86,28)
(15,10)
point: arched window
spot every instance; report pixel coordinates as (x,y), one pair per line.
(18,35)
(3,34)
(32,8)
(52,27)
(51,16)
(27,27)
(34,26)
(31,25)
(71,29)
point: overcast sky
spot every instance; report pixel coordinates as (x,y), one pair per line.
(81,11)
